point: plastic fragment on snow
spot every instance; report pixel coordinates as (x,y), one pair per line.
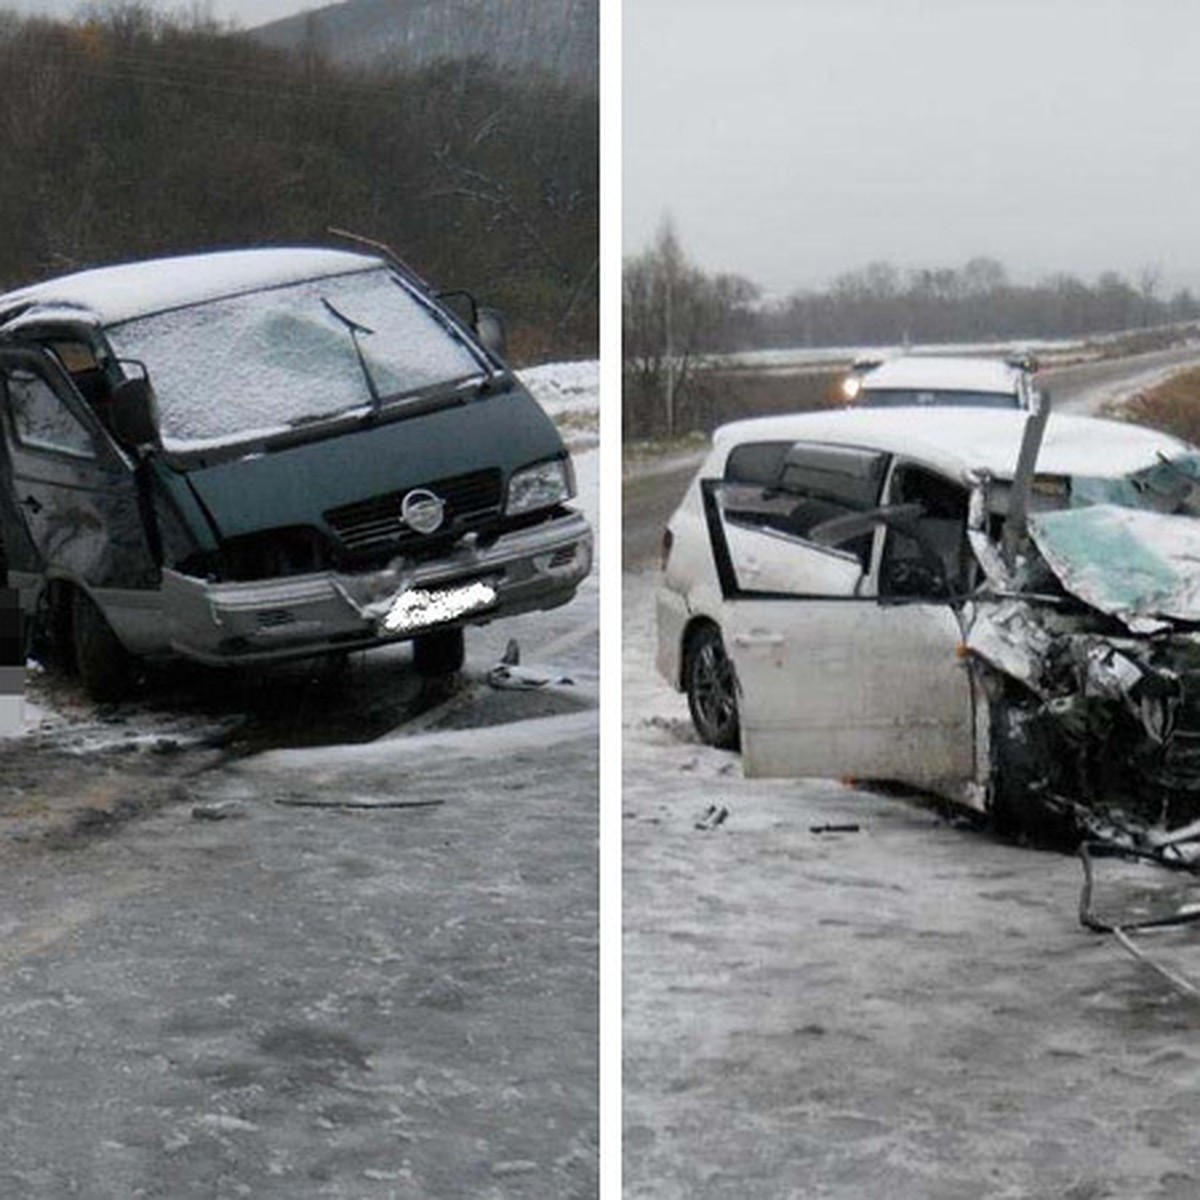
(713,817)
(515,678)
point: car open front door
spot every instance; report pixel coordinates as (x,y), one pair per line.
(833,682)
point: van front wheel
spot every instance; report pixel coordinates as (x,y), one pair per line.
(439,653)
(106,669)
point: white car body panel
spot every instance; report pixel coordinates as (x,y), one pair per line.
(851,688)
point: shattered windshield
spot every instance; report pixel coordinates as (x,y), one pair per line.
(1171,485)
(252,364)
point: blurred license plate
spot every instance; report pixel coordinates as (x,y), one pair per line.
(418,608)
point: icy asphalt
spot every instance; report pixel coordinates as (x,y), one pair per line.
(309,937)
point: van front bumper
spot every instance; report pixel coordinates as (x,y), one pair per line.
(224,623)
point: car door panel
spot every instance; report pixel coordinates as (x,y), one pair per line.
(850,687)
(832,682)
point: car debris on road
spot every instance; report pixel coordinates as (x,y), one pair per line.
(714,817)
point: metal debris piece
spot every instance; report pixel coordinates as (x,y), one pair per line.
(833,829)
(1176,981)
(713,817)
(1089,919)
(220,810)
(305,802)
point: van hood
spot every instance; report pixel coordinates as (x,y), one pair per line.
(1139,566)
(298,484)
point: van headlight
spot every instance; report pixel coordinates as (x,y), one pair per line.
(540,486)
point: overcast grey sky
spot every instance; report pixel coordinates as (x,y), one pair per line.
(794,139)
(245,13)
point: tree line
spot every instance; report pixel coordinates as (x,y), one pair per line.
(126,134)
(882,305)
(675,316)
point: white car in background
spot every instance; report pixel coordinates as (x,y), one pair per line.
(884,595)
(921,380)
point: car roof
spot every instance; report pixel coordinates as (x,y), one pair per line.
(961,442)
(110,295)
(944,373)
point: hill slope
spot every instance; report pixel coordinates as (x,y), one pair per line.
(559,36)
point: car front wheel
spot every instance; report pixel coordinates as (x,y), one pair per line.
(711,689)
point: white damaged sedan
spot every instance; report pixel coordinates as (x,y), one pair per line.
(998,606)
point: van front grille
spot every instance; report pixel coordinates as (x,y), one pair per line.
(376,523)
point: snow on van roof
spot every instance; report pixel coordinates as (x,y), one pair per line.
(943,373)
(966,440)
(120,293)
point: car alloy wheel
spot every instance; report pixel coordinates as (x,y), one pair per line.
(712,689)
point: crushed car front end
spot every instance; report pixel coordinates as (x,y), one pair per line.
(1091,657)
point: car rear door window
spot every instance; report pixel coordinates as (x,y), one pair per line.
(773,496)
(792,488)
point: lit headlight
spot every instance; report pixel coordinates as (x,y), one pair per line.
(540,486)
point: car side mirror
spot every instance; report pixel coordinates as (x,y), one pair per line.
(492,332)
(133,414)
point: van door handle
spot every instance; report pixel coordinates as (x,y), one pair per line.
(32,503)
(749,640)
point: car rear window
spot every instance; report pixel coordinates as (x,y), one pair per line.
(924,397)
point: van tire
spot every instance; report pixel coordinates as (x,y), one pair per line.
(439,653)
(106,669)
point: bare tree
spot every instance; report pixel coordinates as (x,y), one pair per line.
(673,315)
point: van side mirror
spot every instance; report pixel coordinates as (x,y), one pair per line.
(492,332)
(133,414)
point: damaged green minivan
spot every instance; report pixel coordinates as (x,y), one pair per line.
(263,454)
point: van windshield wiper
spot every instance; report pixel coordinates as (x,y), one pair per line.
(355,329)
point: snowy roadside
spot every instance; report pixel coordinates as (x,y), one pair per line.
(570,394)
(907,1006)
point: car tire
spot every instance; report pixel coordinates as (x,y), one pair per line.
(439,653)
(711,688)
(106,669)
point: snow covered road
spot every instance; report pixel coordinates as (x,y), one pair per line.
(905,1009)
(349,950)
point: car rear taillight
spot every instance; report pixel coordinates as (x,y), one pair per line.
(664,550)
